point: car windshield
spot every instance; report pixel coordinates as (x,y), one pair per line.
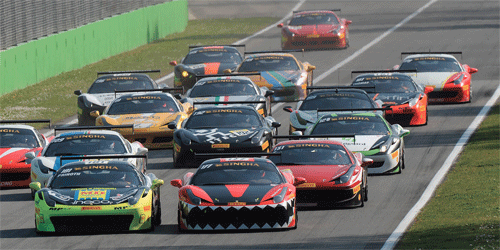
(109,84)
(216,55)
(237,173)
(17,138)
(310,154)
(332,100)
(269,63)
(431,64)
(142,104)
(358,125)
(222,88)
(85,144)
(223,118)
(313,18)
(388,85)
(79,178)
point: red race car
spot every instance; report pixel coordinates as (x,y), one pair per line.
(17,139)
(315,29)
(407,99)
(443,72)
(335,176)
(237,193)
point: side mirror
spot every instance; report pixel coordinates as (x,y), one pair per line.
(36,185)
(404,132)
(299,180)
(173,63)
(472,70)
(176,183)
(172,126)
(310,68)
(30,155)
(366,162)
(78,92)
(157,183)
(178,96)
(142,151)
(227,71)
(297,133)
(269,93)
(276,124)
(396,67)
(347,22)
(95,113)
(428,89)
(280,25)
(288,109)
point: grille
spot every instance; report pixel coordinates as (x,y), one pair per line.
(14,176)
(376,164)
(299,43)
(306,196)
(162,139)
(96,223)
(443,94)
(244,217)
(399,119)
(329,42)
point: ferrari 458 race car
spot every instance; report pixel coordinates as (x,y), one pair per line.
(328,99)
(87,141)
(335,176)
(220,129)
(442,71)
(205,60)
(280,72)
(374,137)
(17,139)
(315,29)
(150,114)
(230,90)
(98,196)
(237,193)
(407,100)
(102,91)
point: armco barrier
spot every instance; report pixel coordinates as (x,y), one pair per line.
(38,60)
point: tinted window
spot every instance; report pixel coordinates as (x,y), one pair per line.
(247,172)
(17,138)
(110,84)
(215,88)
(142,104)
(331,100)
(107,178)
(311,19)
(85,144)
(241,118)
(387,84)
(347,125)
(207,56)
(268,63)
(309,154)
(431,64)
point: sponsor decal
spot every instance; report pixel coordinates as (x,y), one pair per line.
(69,174)
(382,78)
(312,145)
(144,98)
(59,196)
(344,118)
(37,210)
(56,208)
(6,183)
(433,58)
(92,194)
(6,130)
(92,202)
(237,164)
(91,208)
(122,78)
(220,145)
(356,189)
(237,203)
(312,36)
(241,132)
(204,166)
(236,159)
(265,145)
(147,208)
(96,167)
(395,154)
(307,185)
(120,208)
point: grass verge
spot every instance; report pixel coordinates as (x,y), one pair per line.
(465,211)
(54,98)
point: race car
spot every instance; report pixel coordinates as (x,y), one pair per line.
(17,139)
(102,91)
(96,196)
(280,72)
(328,99)
(87,141)
(205,60)
(443,72)
(150,113)
(335,176)
(407,100)
(373,136)
(315,29)
(237,193)
(220,129)
(230,90)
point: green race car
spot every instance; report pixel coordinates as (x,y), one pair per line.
(98,196)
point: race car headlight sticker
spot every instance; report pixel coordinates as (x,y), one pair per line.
(193,198)
(50,202)
(134,199)
(279,198)
(413,101)
(345,177)
(458,80)
(42,167)
(380,144)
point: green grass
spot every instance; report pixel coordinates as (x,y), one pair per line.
(465,211)
(54,98)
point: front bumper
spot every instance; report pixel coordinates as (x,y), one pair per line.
(349,197)
(450,94)
(282,215)
(404,114)
(18,175)
(314,42)
(384,163)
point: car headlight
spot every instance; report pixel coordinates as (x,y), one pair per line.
(458,80)
(345,177)
(413,101)
(381,144)
(185,73)
(383,148)
(279,197)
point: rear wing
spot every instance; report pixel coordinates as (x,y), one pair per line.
(213,45)
(103,157)
(433,52)
(357,72)
(130,71)
(149,90)
(25,121)
(297,11)
(131,126)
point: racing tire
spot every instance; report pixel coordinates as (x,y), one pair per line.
(470,95)
(365,194)
(426,116)
(32,194)
(403,160)
(157,217)
(179,222)
(361,197)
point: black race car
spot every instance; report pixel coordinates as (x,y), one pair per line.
(222,130)
(102,91)
(205,60)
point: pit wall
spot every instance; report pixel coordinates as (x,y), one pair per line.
(37,60)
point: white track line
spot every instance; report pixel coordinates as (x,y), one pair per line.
(438,178)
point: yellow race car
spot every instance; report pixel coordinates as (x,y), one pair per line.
(150,113)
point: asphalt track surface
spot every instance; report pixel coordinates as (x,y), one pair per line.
(468,26)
